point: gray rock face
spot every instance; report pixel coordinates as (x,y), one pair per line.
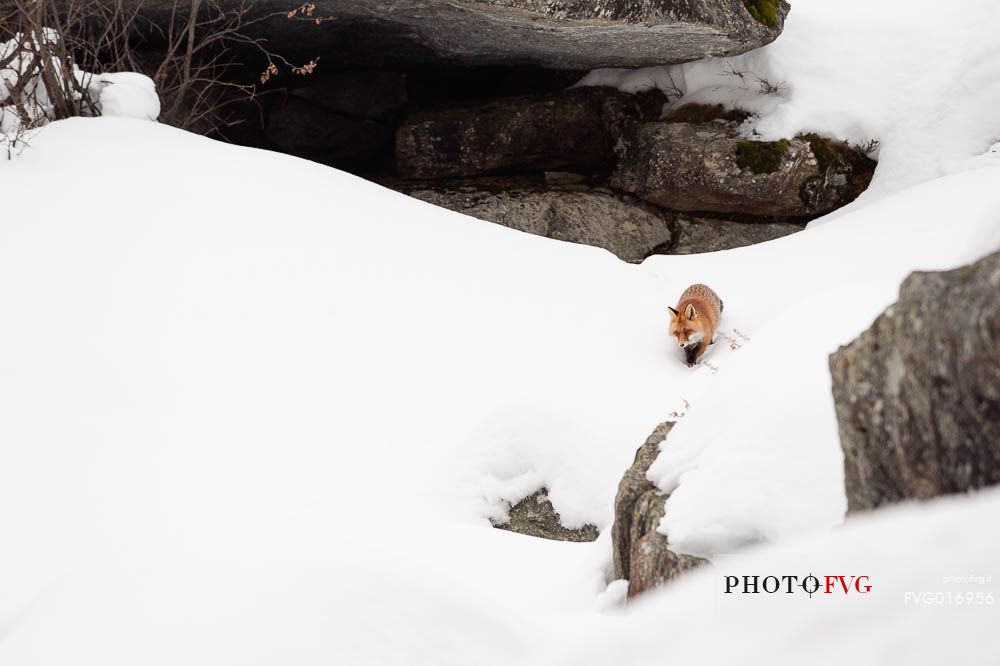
(566,207)
(565,211)
(695,235)
(709,167)
(639,553)
(918,394)
(570,130)
(566,34)
(535,516)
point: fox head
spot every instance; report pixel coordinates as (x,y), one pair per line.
(686,327)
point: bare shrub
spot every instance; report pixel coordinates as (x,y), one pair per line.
(767,87)
(49,47)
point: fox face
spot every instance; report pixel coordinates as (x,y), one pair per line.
(686,327)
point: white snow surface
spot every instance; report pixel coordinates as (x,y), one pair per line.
(259,411)
(934,598)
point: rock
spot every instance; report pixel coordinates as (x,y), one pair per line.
(699,234)
(559,207)
(640,553)
(918,393)
(708,167)
(535,516)
(567,206)
(310,130)
(567,34)
(569,130)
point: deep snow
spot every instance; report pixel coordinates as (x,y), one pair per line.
(257,410)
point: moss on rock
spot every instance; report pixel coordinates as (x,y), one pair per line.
(765,11)
(761,156)
(704,113)
(829,153)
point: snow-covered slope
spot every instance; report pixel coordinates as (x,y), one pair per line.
(922,589)
(256,410)
(224,365)
(758,456)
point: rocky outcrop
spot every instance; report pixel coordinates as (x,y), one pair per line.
(640,553)
(453,150)
(535,516)
(709,167)
(918,393)
(568,207)
(442,91)
(567,34)
(573,130)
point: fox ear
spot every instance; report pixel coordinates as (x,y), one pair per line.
(673,313)
(690,312)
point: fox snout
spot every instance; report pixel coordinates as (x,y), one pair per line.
(691,341)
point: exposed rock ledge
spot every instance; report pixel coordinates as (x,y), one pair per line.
(640,553)
(918,394)
(565,34)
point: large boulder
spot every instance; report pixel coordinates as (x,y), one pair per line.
(918,393)
(710,167)
(556,208)
(640,553)
(568,34)
(566,207)
(573,130)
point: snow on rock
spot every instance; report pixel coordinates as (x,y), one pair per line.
(921,82)
(128,94)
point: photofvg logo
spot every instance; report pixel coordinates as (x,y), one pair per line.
(840,584)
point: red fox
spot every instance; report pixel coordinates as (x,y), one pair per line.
(694,321)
